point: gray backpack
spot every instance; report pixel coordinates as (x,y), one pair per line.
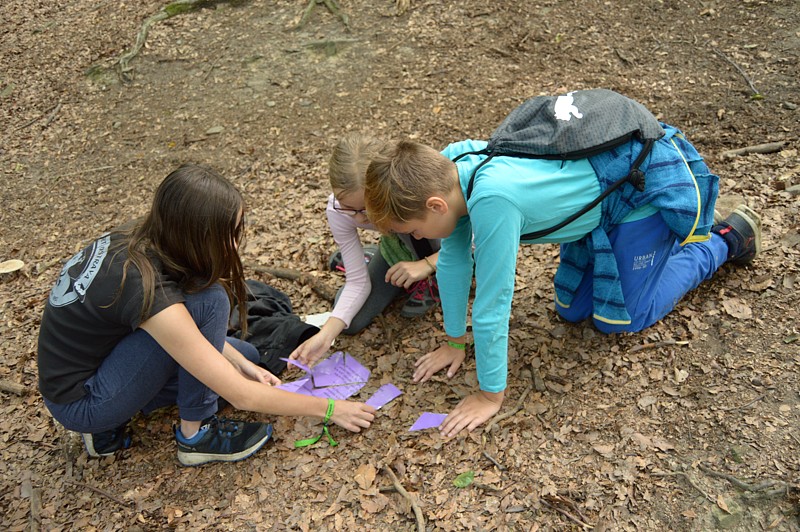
(576,125)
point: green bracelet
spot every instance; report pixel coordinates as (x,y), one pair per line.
(451,343)
(325,431)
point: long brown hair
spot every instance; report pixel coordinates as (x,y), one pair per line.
(194,228)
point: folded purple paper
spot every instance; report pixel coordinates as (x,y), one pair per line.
(337,377)
(428,420)
(383,395)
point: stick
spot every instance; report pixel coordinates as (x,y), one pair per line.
(689,480)
(769,147)
(738,69)
(293,275)
(731,409)
(102,492)
(738,483)
(497,464)
(402,491)
(12,387)
(52,116)
(36,507)
(567,515)
(500,417)
(652,345)
(34,120)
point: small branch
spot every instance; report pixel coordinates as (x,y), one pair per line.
(769,147)
(740,484)
(739,70)
(517,407)
(742,407)
(52,116)
(568,515)
(52,112)
(402,491)
(497,464)
(653,345)
(12,387)
(689,480)
(102,492)
(293,275)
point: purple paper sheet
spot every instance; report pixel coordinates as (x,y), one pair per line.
(428,420)
(338,377)
(383,395)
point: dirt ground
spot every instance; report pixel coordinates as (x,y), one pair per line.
(690,425)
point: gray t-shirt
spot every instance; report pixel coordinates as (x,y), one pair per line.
(87,315)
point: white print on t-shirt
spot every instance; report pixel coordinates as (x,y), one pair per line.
(640,262)
(69,289)
(565,109)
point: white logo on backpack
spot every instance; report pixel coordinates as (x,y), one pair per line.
(565,109)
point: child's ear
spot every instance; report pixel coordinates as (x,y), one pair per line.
(437,205)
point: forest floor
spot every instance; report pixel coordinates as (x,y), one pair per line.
(680,427)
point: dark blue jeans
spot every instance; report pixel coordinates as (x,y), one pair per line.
(656,272)
(138,375)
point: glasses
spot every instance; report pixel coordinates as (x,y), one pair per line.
(348,212)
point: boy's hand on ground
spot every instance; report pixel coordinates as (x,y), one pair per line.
(406,273)
(443,357)
(353,416)
(473,411)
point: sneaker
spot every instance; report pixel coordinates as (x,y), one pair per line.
(221,440)
(335,263)
(742,232)
(423,295)
(99,444)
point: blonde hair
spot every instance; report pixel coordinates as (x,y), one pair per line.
(349,161)
(401,178)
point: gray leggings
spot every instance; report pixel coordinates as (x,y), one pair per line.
(381,295)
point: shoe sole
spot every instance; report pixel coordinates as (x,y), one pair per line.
(752,219)
(196,459)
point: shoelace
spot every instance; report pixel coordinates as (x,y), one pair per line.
(225,427)
(422,288)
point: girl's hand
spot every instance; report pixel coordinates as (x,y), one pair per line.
(406,273)
(315,347)
(258,374)
(443,357)
(471,412)
(352,416)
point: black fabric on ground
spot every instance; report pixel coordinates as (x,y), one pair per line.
(271,326)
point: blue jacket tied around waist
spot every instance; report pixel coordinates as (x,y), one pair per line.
(678,183)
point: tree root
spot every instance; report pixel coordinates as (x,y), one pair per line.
(176,7)
(775,487)
(332,6)
(402,491)
(316,285)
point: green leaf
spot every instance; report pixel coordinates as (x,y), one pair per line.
(464,479)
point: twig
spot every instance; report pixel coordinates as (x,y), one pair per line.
(34,120)
(36,507)
(294,275)
(742,407)
(738,483)
(567,515)
(402,491)
(52,116)
(768,147)
(738,69)
(102,492)
(652,345)
(12,387)
(517,407)
(497,464)
(689,480)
